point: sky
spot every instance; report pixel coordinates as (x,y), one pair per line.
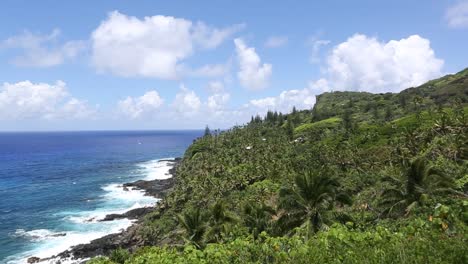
(130,65)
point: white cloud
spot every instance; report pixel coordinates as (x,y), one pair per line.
(74,109)
(365,64)
(219,97)
(276,41)
(457,15)
(301,99)
(42,50)
(316,45)
(217,101)
(361,64)
(216,87)
(252,74)
(186,102)
(27,100)
(145,105)
(154,46)
(209,70)
(208,37)
(187,110)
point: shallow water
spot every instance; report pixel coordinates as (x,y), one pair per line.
(55,186)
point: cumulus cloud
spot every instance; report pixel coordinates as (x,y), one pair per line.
(27,100)
(316,45)
(457,15)
(209,70)
(208,37)
(187,109)
(276,41)
(154,46)
(219,97)
(366,64)
(76,109)
(216,87)
(361,64)
(186,102)
(217,101)
(42,50)
(252,74)
(284,102)
(136,107)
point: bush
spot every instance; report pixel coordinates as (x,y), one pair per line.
(119,256)
(337,245)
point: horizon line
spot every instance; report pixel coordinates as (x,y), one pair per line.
(104,130)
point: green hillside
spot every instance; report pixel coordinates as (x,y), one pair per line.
(360,178)
(437,93)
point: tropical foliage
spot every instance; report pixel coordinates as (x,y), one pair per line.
(360,178)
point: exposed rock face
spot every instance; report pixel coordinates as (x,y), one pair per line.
(33,260)
(105,245)
(155,188)
(132,214)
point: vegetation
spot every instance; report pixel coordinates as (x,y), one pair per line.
(310,203)
(360,178)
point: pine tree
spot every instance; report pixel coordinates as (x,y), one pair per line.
(207,131)
(388,113)
(347,120)
(290,129)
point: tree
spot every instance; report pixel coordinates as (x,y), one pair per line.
(348,120)
(402,99)
(375,113)
(290,129)
(388,113)
(207,131)
(220,217)
(258,119)
(418,182)
(257,218)
(417,102)
(280,119)
(193,221)
(310,202)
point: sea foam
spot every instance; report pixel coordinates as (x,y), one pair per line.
(84,226)
(156,169)
(48,243)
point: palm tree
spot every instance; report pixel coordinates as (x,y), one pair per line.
(193,221)
(310,202)
(419,182)
(257,218)
(219,219)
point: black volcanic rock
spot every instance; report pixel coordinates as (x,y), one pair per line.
(155,188)
(132,214)
(105,245)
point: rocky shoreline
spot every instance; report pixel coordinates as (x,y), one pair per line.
(129,238)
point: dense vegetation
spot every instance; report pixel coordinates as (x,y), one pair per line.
(360,178)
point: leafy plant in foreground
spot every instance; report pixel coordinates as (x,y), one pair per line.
(193,221)
(219,219)
(257,218)
(311,201)
(419,182)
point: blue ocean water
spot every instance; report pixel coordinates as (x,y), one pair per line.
(53,185)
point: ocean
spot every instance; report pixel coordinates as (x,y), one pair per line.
(54,186)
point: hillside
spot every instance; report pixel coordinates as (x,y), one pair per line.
(441,92)
(360,178)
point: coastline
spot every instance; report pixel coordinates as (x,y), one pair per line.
(128,238)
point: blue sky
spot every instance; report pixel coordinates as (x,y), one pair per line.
(86,65)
